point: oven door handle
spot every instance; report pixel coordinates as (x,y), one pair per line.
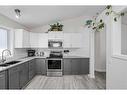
(46,65)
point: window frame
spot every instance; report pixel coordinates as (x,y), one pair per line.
(116,38)
(10,39)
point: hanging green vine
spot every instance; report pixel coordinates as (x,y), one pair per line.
(98,26)
(110,11)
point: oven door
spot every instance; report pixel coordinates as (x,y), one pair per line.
(54,65)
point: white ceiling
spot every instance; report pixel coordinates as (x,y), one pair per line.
(35,16)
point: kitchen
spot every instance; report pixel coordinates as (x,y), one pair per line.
(57,49)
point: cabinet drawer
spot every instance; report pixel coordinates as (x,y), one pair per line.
(14,69)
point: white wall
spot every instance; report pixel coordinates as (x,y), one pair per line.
(124,39)
(115,64)
(117,78)
(5,22)
(100,51)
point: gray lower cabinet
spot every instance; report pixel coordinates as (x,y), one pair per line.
(23,79)
(19,75)
(76,66)
(32,71)
(14,77)
(67,66)
(84,65)
(40,66)
(3,80)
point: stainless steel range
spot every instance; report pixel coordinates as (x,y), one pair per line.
(55,64)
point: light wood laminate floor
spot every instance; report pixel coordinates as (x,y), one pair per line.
(68,82)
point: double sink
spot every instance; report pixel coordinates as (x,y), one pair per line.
(9,63)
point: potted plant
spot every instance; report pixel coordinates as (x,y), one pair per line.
(56,27)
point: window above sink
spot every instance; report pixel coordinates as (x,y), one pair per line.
(6,40)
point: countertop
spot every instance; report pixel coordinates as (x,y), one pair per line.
(30,58)
(74,57)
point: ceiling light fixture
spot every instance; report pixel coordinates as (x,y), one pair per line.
(18,14)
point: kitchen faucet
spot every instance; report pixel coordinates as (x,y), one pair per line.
(3,60)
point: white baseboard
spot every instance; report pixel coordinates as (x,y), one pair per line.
(91,76)
(100,70)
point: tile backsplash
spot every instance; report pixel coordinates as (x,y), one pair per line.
(72,52)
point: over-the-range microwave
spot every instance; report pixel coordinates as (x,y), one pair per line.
(55,44)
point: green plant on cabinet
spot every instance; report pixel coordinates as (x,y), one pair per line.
(56,27)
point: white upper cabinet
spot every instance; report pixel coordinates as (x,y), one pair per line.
(72,40)
(25,39)
(22,38)
(55,35)
(38,40)
(76,40)
(33,40)
(67,40)
(42,40)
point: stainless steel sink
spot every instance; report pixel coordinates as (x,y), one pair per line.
(4,65)
(9,63)
(12,62)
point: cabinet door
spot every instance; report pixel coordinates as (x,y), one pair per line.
(23,74)
(85,66)
(42,40)
(26,39)
(33,40)
(51,35)
(72,40)
(32,71)
(40,66)
(14,78)
(55,35)
(3,80)
(22,38)
(76,40)
(67,40)
(59,35)
(67,66)
(76,66)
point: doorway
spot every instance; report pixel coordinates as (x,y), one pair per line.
(100,55)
